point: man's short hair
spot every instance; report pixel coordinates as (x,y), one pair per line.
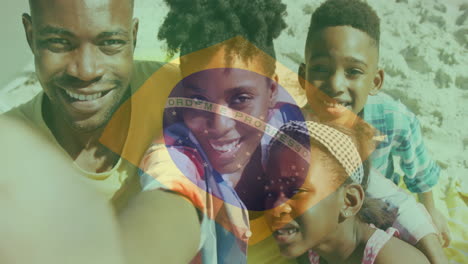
(31,4)
(354,13)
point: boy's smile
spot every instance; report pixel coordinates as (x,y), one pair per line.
(341,70)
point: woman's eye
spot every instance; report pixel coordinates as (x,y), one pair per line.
(241,99)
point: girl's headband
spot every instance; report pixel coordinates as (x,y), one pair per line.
(339,145)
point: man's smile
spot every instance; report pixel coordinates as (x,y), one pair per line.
(86,103)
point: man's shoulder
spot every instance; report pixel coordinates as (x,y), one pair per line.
(26,112)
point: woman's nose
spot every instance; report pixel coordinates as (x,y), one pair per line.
(219,125)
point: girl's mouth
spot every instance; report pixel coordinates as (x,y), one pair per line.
(285,235)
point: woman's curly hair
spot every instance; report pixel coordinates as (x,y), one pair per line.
(194,25)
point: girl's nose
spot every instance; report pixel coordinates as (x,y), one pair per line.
(282,207)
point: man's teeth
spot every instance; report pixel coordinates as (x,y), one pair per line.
(225,147)
(83,97)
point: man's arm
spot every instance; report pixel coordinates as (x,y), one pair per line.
(47,214)
(160,227)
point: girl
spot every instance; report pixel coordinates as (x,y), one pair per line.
(321,213)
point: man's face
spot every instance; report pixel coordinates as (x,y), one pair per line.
(341,70)
(83,52)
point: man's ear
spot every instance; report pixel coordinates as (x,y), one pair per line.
(274,90)
(353,200)
(377,83)
(301,75)
(28,29)
(135,31)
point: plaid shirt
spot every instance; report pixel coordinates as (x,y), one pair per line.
(403,139)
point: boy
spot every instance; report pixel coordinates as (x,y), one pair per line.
(341,69)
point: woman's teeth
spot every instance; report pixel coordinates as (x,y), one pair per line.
(225,147)
(83,97)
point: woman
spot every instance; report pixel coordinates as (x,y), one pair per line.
(216,116)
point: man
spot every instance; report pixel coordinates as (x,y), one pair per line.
(83,51)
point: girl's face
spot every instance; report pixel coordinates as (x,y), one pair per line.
(304,200)
(228,143)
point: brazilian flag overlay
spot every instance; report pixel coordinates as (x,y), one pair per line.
(203,127)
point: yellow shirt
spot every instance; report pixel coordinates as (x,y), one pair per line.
(117,182)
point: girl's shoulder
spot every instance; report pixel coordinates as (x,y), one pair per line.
(398,251)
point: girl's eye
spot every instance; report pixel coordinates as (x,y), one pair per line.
(297,191)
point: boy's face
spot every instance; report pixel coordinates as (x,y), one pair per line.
(341,70)
(304,200)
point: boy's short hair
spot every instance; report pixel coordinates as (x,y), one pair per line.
(354,13)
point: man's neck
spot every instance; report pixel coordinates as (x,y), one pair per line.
(83,147)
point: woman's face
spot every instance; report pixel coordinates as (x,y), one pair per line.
(228,143)
(304,200)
